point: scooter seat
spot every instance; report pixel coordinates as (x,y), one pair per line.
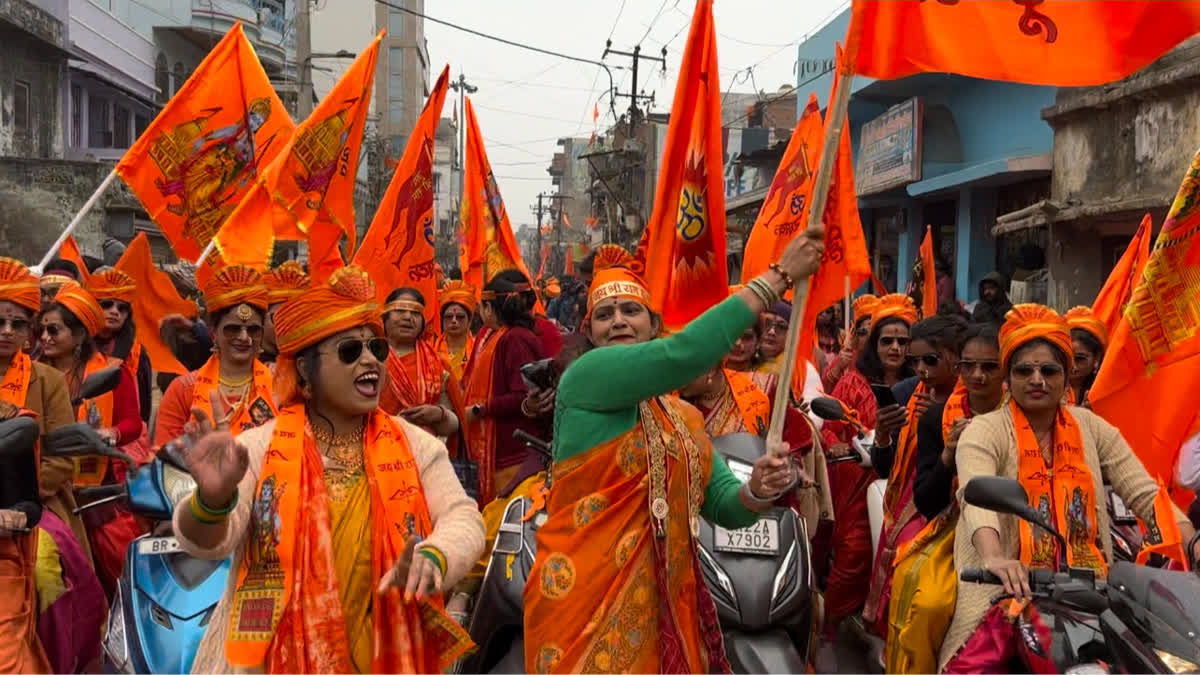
(1171,596)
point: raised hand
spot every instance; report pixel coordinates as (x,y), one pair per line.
(215,460)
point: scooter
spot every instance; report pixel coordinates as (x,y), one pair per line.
(165,598)
(760,579)
(1142,620)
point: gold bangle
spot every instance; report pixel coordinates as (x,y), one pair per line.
(205,515)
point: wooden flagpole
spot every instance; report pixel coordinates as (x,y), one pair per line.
(71,227)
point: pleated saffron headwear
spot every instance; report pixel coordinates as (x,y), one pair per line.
(1081,317)
(83,305)
(112,284)
(286,282)
(894,304)
(458,292)
(612,277)
(235,285)
(1029,321)
(18,285)
(346,300)
(864,305)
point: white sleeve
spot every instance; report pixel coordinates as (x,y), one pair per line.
(1187,472)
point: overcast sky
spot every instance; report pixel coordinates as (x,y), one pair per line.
(528,100)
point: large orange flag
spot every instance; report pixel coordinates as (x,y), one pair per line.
(929,299)
(398,249)
(203,152)
(845,255)
(1154,354)
(686,238)
(157,298)
(784,211)
(1118,288)
(490,245)
(1056,42)
(311,183)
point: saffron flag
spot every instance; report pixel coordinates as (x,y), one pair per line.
(397,250)
(686,231)
(1154,354)
(313,178)
(543,255)
(784,211)
(845,255)
(491,247)
(157,298)
(877,286)
(1055,42)
(1162,532)
(1118,288)
(200,156)
(70,251)
(324,251)
(929,299)
(569,265)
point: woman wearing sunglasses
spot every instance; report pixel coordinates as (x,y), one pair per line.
(234,385)
(925,579)
(117,339)
(419,383)
(1089,337)
(1063,456)
(455,344)
(345,524)
(881,362)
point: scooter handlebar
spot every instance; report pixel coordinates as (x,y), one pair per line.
(978,575)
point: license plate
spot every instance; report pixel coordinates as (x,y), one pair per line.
(158,545)
(761,538)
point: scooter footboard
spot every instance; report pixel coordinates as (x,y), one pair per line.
(769,651)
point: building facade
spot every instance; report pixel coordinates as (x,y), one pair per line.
(403,84)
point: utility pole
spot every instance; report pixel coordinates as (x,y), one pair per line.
(463,89)
(633,94)
(539,230)
(304,105)
(539,210)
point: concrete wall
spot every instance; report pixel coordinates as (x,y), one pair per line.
(31,63)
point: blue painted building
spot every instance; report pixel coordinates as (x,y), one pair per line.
(951,152)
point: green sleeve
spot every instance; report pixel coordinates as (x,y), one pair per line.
(722,504)
(619,377)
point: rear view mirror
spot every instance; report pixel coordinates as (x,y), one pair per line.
(828,409)
(99,383)
(80,439)
(18,435)
(1004,495)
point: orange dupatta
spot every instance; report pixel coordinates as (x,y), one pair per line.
(607,593)
(98,412)
(1064,492)
(413,379)
(481,434)
(15,387)
(903,466)
(286,614)
(746,408)
(257,406)
(456,361)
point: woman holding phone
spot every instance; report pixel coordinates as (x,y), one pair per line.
(419,381)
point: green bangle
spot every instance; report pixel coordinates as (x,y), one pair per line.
(208,511)
(435,556)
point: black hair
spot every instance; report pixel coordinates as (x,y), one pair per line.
(448,305)
(407,292)
(511,304)
(308,362)
(122,342)
(454,273)
(984,332)
(87,345)
(1093,345)
(58,265)
(940,331)
(869,363)
(952,308)
(1059,355)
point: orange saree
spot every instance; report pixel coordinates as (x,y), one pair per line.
(599,598)
(413,379)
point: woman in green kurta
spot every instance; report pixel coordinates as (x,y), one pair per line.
(616,586)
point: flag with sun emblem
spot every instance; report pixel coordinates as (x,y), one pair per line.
(685,237)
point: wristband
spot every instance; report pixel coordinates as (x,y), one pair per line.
(435,556)
(207,515)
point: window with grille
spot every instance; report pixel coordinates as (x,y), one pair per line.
(21,106)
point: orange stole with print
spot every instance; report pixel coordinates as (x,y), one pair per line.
(90,469)
(592,602)
(286,613)
(257,406)
(481,434)
(413,379)
(1065,495)
(746,408)
(15,386)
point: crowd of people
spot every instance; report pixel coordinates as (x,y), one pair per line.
(353,459)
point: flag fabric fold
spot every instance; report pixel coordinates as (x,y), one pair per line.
(204,151)
(1055,42)
(1118,288)
(1154,353)
(686,231)
(70,251)
(929,299)
(157,298)
(397,250)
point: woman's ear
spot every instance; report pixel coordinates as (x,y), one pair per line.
(656,324)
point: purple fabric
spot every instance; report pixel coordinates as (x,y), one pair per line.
(783,309)
(70,628)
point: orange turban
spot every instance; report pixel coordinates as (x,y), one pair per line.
(1027,322)
(113,284)
(460,292)
(81,304)
(1081,317)
(18,285)
(285,282)
(893,305)
(610,255)
(235,285)
(550,287)
(616,282)
(864,306)
(346,300)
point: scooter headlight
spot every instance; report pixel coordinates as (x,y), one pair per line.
(178,485)
(114,641)
(1177,664)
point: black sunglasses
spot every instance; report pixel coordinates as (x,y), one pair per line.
(930,360)
(988,367)
(898,341)
(233,331)
(110,303)
(17,325)
(350,349)
(777,326)
(52,330)
(1047,370)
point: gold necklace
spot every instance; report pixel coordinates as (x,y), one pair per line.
(346,449)
(235,384)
